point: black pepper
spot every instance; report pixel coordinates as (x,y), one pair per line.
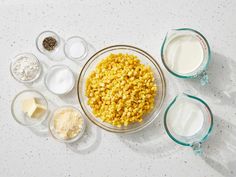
(49,43)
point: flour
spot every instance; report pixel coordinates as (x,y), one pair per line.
(25,67)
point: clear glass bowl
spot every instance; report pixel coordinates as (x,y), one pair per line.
(21,117)
(50,72)
(57,54)
(145,59)
(29,55)
(76,43)
(54,133)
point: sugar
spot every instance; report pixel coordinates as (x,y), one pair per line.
(60,80)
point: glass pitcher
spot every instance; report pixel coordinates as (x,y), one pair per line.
(200,72)
(200,136)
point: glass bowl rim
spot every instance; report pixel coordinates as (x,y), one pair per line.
(150,58)
(78,136)
(179,75)
(165,120)
(37,123)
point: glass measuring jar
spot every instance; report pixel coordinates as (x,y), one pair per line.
(200,133)
(200,71)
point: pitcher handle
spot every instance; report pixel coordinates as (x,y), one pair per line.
(197,148)
(203,77)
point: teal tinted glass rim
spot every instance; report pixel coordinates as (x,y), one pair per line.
(166,127)
(164,43)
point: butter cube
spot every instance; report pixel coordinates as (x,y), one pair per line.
(33,108)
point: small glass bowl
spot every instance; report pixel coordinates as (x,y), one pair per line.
(50,72)
(21,117)
(73,41)
(30,55)
(54,133)
(146,59)
(55,54)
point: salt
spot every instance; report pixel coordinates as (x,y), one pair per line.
(60,80)
(76,48)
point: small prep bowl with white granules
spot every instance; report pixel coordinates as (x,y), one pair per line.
(67,124)
(76,48)
(59,79)
(25,68)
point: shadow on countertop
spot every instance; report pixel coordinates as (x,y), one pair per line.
(152,140)
(219,151)
(89,142)
(221,88)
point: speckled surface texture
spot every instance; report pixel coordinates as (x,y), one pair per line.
(25,152)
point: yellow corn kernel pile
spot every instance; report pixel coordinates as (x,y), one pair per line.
(121,89)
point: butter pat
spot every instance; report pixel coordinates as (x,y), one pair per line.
(33,108)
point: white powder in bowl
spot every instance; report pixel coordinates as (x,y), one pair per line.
(76,48)
(60,80)
(25,67)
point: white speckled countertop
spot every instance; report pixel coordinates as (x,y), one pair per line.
(26,153)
